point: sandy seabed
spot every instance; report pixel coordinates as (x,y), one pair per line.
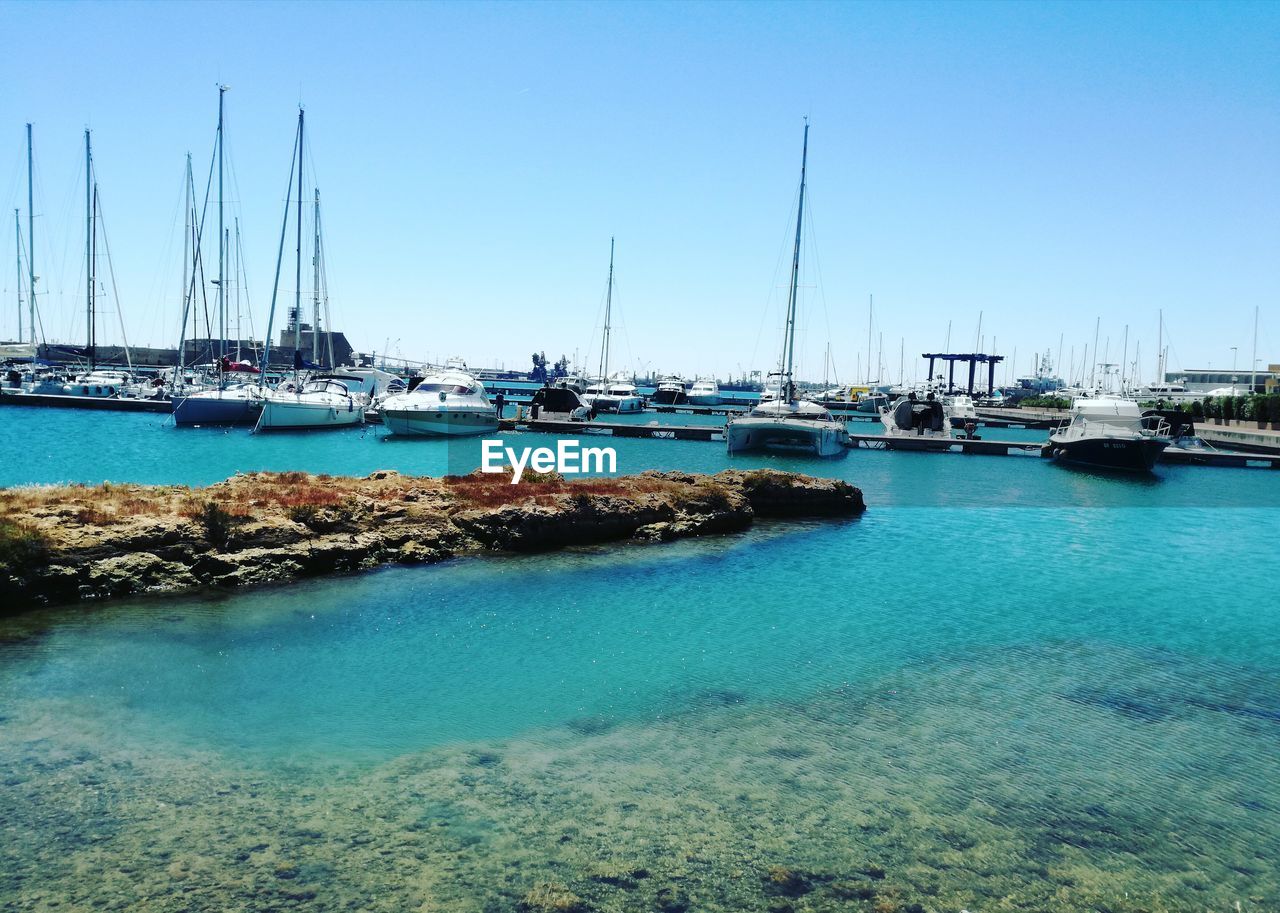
(976,782)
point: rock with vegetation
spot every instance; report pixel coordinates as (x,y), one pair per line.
(70,543)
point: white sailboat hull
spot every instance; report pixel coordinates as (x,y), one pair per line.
(300,414)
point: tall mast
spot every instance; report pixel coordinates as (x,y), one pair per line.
(222,268)
(1124,361)
(31,244)
(17,251)
(1093,374)
(315,285)
(239,331)
(795,271)
(188,280)
(297,284)
(871,308)
(88,248)
(1253,360)
(1160,350)
(608,308)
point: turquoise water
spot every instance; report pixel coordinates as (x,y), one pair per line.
(1068,700)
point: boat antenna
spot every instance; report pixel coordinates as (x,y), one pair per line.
(795,272)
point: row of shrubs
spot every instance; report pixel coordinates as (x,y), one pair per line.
(1261,408)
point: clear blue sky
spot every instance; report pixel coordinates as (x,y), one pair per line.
(1043,164)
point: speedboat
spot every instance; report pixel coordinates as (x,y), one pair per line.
(618,395)
(795,425)
(98,383)
(1111,433)
(705,392)
(237,404)
(321,402)
(447,403)
(670,392)
(912,423)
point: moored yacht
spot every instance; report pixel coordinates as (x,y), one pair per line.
(781,422)
(670,392)
(704,392)
(447,403)
(319,403)
(618,395)
(1109,432)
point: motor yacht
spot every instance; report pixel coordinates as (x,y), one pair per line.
(558,404)
(618,395)
(445,404)
(321,402)
(1111,433)
(705,392)
(671,392)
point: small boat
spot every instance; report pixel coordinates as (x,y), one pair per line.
(961,408)
(559,404)
(671,392)
(319,403)
(913,423)
(704,392)
(781,422)
(1111,433)
(572,382)
(444,404)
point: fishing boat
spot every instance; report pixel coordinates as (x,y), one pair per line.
(704,392)
(617,393)
(444,404)
(782,422)
(670,392)
(1111,433)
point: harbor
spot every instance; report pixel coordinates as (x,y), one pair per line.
(771,457)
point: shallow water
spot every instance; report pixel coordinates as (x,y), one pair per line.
(943,703)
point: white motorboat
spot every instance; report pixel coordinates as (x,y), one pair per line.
(319,403)
(960,407)
(1111,433)
(618,395)
(781,422)
(447,403)
(913,423)
(97,383)
(704,392)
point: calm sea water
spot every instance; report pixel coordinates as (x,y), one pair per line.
(1008,685)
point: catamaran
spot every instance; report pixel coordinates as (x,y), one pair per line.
(783,422)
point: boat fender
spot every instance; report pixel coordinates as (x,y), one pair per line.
(443,396)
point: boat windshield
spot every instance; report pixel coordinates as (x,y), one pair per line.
(455,389)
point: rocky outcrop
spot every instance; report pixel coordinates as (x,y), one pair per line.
(79,543)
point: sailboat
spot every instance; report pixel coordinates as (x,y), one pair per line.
(784,422)
(323,401)
(229,403)
(617,393)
